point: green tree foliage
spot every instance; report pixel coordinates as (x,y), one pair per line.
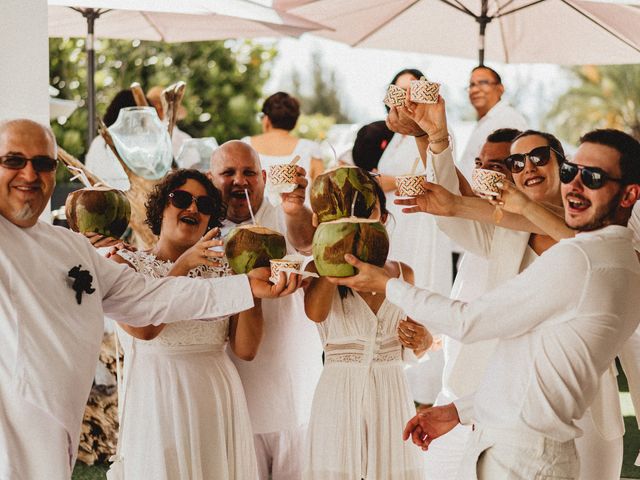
(224,82)
(323,97)
(602,97)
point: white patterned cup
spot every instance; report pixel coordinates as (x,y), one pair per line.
(395,96)
(282,174)
(485,182)
(278,266)
(410,185)
(423,91)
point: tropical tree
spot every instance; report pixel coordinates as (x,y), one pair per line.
(601,97)
(224,82)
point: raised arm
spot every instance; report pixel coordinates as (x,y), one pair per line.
(297,216)
(245,332)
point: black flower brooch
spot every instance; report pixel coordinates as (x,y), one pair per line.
(81,282)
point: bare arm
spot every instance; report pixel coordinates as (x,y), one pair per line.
(300,229)
(245,332)
(317,297)
(316,168)
(412,334)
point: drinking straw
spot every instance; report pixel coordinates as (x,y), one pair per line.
(80,175)
(246,194)
(415,166)
(353,204)
(295,160)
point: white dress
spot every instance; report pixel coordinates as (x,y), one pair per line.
(362,401)
(185,414)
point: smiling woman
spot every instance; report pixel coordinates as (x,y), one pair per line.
(181,371)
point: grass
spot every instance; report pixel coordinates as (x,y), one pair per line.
(85,472)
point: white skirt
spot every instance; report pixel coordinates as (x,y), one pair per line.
(186,416)
(357,419)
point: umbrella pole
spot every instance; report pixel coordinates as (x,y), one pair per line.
(90,14)
(483,20)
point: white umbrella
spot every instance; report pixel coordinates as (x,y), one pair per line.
(166,20)
(564,32)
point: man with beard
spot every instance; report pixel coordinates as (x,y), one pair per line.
(54,292)
(280,381)
(560,323)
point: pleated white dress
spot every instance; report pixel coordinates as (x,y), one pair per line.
(362,401)
(185,414)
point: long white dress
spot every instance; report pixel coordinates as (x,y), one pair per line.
(362,401)
(185,414)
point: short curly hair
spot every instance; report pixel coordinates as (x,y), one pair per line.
(159,198)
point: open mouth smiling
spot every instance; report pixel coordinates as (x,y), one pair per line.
(532,181)
(577,202)
(189,219)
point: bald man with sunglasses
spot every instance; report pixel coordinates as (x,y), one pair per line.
(54,292)
(559,324)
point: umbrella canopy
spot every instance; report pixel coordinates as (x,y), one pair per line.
(166,20)
(564,32)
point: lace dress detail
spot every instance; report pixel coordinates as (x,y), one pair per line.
(187,332)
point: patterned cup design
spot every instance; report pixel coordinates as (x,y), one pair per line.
(485,182)
(410,185)
(395,96)
(423,91)
(282,174)
(279,265)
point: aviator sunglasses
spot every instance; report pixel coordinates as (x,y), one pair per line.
(592,177)
(182,199)
(539,157)
(40,163)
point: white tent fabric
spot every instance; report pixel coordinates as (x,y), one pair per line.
(564,32)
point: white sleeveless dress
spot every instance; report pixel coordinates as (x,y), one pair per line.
(362,401)
(185,414)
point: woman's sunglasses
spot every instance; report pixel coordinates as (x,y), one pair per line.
(41,163)
(182,199)
(539,157)
(592,177)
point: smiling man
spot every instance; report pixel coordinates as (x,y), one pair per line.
(559,324)
(280,381)
(54,292)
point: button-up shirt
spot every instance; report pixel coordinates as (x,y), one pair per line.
(560,324)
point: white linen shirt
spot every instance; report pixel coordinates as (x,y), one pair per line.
(502,115)
(50,343)
(560,324)
(280,381)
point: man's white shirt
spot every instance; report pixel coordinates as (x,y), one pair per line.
(561,323)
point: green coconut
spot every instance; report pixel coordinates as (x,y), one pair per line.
(250,246)
(333,191)
(102,210)
(366,239)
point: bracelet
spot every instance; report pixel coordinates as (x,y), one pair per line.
(446,138)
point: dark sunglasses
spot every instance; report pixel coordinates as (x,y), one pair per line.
(40,163)
(539,156)
(592,177)
(182,199)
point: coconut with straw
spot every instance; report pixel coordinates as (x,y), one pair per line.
(253,246)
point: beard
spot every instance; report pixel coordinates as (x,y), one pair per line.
(603,216)
(26,212)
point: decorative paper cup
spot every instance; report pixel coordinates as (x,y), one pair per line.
(282,174)
(423,91)
(395,96)
(410,185)
(278,266)
(485,182)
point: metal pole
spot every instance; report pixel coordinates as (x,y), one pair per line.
(483,20)
(91,15)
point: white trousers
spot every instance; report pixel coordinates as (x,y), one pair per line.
(494,454)
(33,445)
(445,455)
(279,454)
(600,459)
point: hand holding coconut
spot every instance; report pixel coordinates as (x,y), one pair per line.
(369,278)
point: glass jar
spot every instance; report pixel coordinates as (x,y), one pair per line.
(196,153)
